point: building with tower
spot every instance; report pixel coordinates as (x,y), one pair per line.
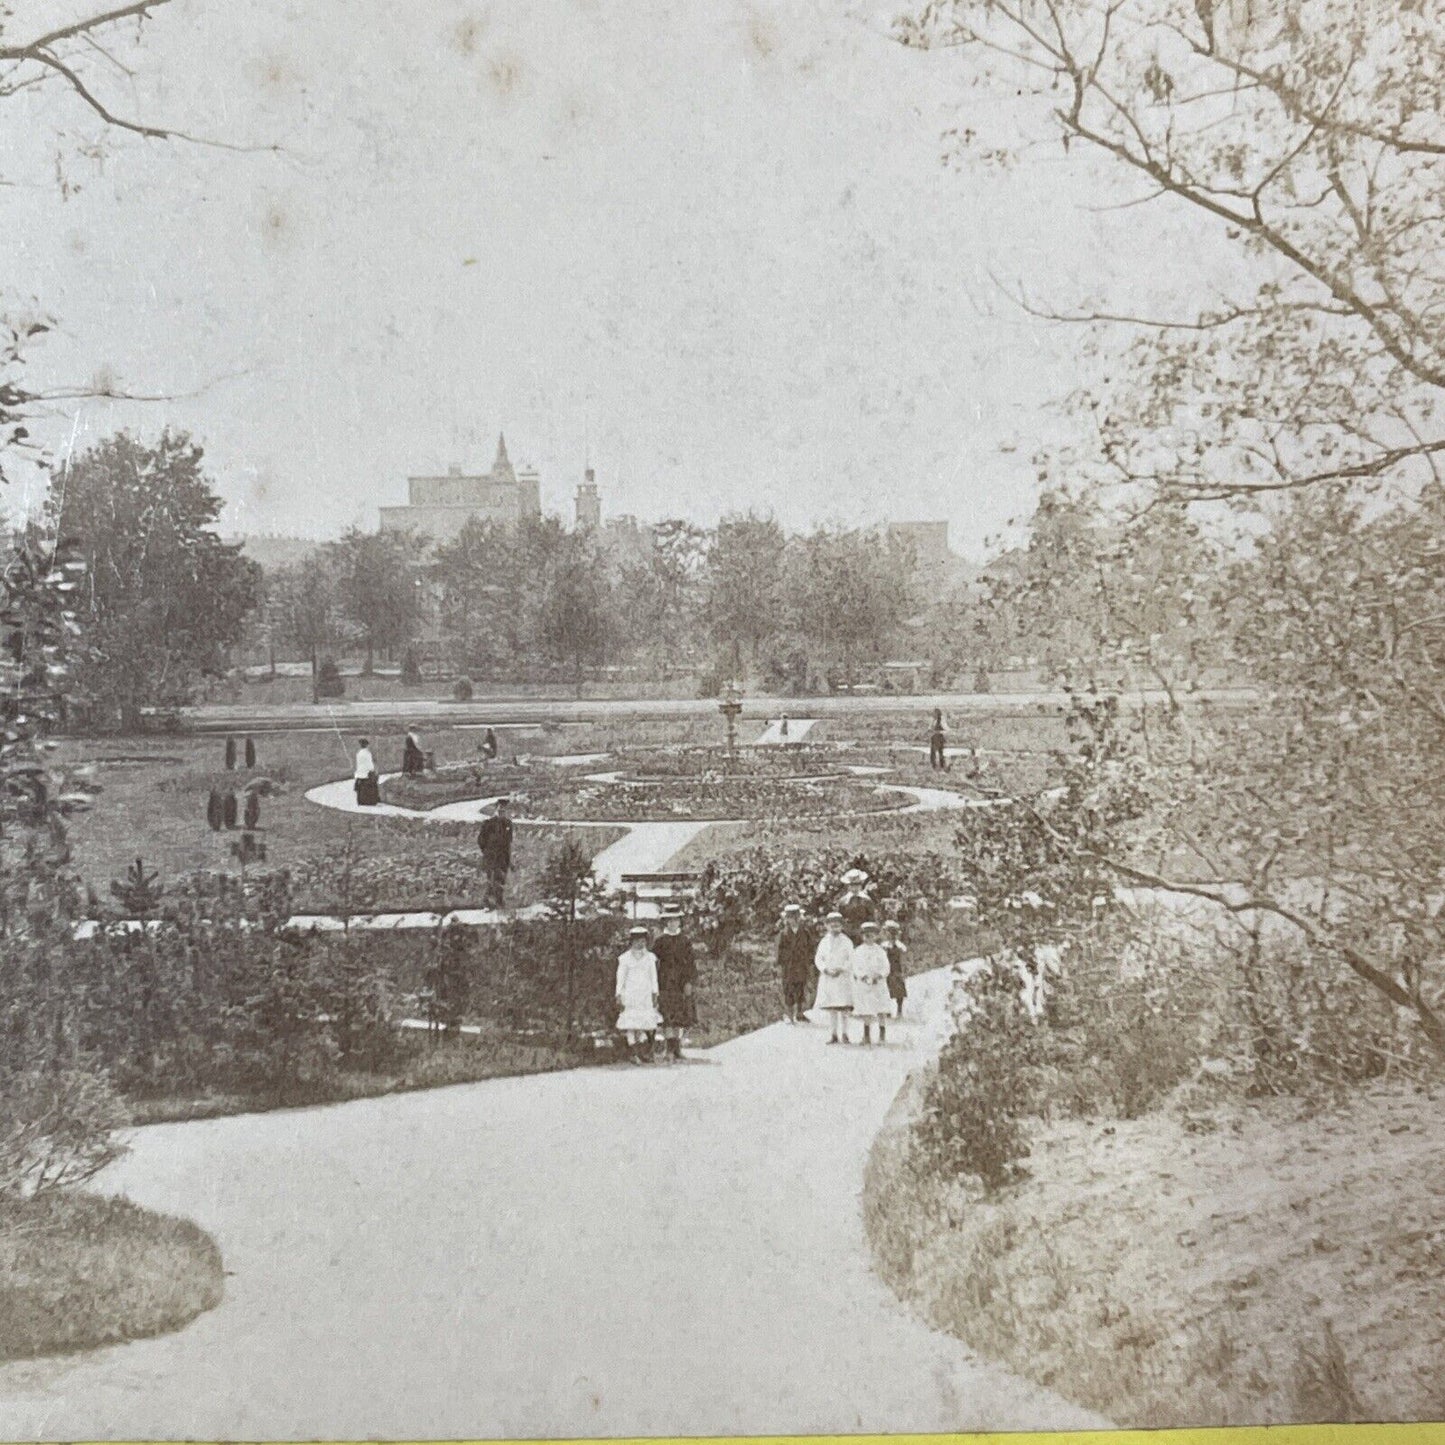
(439,507)
(589,503)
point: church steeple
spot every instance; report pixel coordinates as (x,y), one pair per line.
(502,467)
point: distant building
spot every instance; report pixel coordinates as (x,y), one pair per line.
(937,565)
(589,503)
(439,507)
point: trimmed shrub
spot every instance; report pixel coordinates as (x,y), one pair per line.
(215,810)
(329,682)
(253,810)
(230,754)
(229,810)
(410,669)
(462,689)
(250,753)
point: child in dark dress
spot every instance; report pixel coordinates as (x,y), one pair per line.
(896,949)
(676,976)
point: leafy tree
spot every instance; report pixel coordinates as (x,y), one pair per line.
(378,585)
(1303,403)
(480,586)
(743,586)
(664,592)
(849,591)
(1310,135)
(304,610)
(164,598)
(575,622)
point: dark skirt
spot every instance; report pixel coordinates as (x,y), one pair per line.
(368,791)
(897,986)
(676,1008)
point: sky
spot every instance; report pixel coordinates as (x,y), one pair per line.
(715,249)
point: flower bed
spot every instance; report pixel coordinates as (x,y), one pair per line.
(704,800)
(459,783)
(710,764)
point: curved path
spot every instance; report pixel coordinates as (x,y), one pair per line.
(601,1252)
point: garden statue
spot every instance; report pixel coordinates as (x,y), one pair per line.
(730,706)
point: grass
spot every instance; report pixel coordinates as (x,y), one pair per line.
(156,810)
(78,1271)
(1182,1269)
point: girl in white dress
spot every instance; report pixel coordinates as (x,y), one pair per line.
(833,959)
(637,994)
(871,1001)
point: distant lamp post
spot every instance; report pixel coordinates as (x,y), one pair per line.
(730,706)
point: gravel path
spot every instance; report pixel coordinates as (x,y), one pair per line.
(616,1251)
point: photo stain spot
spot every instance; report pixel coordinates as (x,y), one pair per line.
(276,223)
(506,74)
(762,37)
(468,34)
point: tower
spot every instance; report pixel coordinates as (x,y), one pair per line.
(589,504)
(502,467)
(529,493)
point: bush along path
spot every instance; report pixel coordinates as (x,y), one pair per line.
(495,1260)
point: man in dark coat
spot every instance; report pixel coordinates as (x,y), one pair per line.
(495,841)
(937,735)
(676,977)
(796,946)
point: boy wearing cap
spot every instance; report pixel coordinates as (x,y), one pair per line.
(896,949)
(676,975)
(870,984)
(637,994)
(833,958)
(796,947)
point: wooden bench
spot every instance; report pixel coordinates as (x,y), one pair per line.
(658,887)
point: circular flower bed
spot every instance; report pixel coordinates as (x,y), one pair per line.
(703,800)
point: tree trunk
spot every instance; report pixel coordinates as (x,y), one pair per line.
(370,657)
(315,684)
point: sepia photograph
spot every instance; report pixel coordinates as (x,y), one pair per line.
(720,720)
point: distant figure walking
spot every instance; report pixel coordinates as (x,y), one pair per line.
(833,959)
(676,979)
(796,946)
(637,994)
(413,760)
(495,840)
(937,758)
(783,727)
(368,784)
(871,1002)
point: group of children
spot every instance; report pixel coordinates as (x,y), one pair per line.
(655,990)
(858,963)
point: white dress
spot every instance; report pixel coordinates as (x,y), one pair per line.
(637,987)
(870,982)
(833,959)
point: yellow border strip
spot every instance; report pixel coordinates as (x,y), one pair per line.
(1422,1433)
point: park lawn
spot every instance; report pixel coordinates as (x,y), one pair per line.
(1008,728)
(80,1270)
(154,809)
(1237,1263)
